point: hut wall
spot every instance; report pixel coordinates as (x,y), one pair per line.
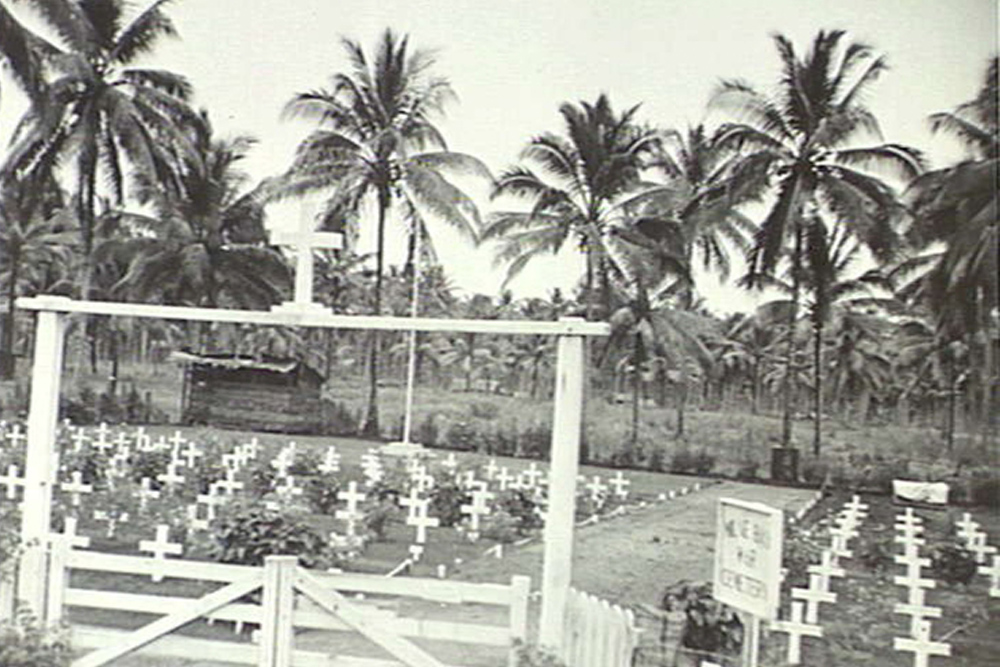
(283,409)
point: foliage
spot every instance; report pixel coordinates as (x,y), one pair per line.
(25,642)
(339,419)
(321,492)
(377,517)
(699,462)
(484,410)
(709,625)
(10,538)
(447,499)
(952,564)
(501,526)
(521,507)
(529,655)
(245,533)
(462,436)
(985,491)
(801,548)
(875,550)
(149,464)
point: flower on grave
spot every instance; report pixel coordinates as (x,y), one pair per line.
(347,547)
(10,538)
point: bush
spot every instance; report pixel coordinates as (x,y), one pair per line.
(149,464)
(338,419)
(24,642)
(446,503)
(245,534)
(952,564)
(427,430)
(500,526)
(521,507)
(484,410)
(321,492)
(533,656)
(536,441)
(463,436)
(377,518)
(686,461)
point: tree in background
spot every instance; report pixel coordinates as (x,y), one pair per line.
(377,140)
(800,139)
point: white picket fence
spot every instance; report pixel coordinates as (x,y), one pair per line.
(598,633)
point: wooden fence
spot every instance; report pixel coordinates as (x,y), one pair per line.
(598,633)
(291,599)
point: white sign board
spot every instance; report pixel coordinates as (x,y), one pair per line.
(748,540)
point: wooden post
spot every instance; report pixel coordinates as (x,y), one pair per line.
(520,589)
(276,638)
(558,560)
(42,457)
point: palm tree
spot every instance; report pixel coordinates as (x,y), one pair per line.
(205,246)
(957,206)
(749,342)
(800,141)
(99,107)
(23,54)
(587,182)
(32,248)
(377,140)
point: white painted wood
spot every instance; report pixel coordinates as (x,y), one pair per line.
(160,547)
(796,628)
(520,589)
(303,241)
(181,569)
(276,635)
(557,563)
(993,572)
(407,652)
(826,569)
(921,645)
(41,459)
(813,596)
(170,622)
(564,327)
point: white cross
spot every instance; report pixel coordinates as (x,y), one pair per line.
(422,521)
(121,442)
(966,527)
(331,461)
(993,572)
(171,476)
(838,546)
(146,492)
(491,469)
(921,645)
(160,548)
(16,436)
(79,438)
(70,536)
(102,444)
(856,507)
(281,463)
(912,560)
(916,610)
(532,474)
(351,514)
(977,545)
(597,489)
(505,478)
(796,629)
(908,518)
(909,534)
(411,502)
(142,439)
(423,479)
(813,596)
(177,439)
(288,489)
(620,485)
(826,569)
(451,462)
(229,485)
(476,509)
(303,241)
(191,454)
(11,481)
(250,448)
(76,487)
(194,520)
(912,579)
(210,502)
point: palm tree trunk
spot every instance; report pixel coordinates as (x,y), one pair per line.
(682,395)
(370,427)
(787,386)
(755,387)
(818,389)
(635,399)
(7,361)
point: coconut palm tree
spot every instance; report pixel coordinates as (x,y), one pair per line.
(23,54)
(205,246)
(803,140)
(99,107)
(580,189)
(957,207)
(377,141)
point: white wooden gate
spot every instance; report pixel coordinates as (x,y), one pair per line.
(598,633)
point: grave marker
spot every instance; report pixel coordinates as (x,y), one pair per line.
(303,242)
(921,645)
(796,629)
(813,596)
(160,548)
(422,521)
(993,572)
(351,514)
(76,487)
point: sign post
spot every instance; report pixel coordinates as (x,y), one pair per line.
(747,574)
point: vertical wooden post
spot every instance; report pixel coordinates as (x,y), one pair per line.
(558,561)
(276,638)
(57,578)
(42,458)
(520,588)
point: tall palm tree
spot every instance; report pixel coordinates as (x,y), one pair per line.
(205,246)
(583,188)
(23,54)
(99,107)
(801,139)
(957,206)
(377,140)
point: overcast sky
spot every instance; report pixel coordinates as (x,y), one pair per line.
(512,63)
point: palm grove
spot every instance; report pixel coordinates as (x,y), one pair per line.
(116,187)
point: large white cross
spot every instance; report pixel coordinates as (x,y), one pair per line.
(76,487)
(921,645)
(796,629)
(826,569)
(813,596)
(16,436)
(993,572)
(977,545)
(351,514)
(303,241)
(422,521)
(620,485)
(476,509)
(11,481)
(160,547)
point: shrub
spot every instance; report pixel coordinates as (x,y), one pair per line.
(533,656)
(484,410)
(446,503)
(427,430)
(461,435)
(952,564)
(519,505)
(149,464)
(535,441)
(686,461)
(24,642)
(377,518)
(321,492)
(338,419)
(245,534)
(500,526)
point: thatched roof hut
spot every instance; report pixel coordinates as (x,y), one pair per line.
(256,394)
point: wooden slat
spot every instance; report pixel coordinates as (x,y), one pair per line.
(170,622)
(428,589)
(407,652)
(179,569)
(276,630)
(577,327)
(201,650)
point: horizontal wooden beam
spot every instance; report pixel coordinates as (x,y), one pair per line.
(316,318)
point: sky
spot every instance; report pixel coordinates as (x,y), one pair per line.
(512,63)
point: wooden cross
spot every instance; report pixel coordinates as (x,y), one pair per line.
(908,518)
(423,479)
(76,487)
(146,492)
(838,546)
(11,481)
(827,568)
(191,454)
(620,485)
(856,507)
(909,534)
(596,488)
(210,502)
(249,449)
(977,545)
(16,436)
(229,485)
(69,535)
(351,514)
(921,645)
(911,559)
(171,476)
(532,474)
(411,502)
(504,478)
(331,461)
(160,548)
(303,241)
(281,463)
(79,438)
(476,509)
(813,596)
(796,629)
(451,462)
(912,580)
(177,439)
(967,527)
(101,443)
(289,490)
(491,469)
(422,521)
(916,610)
(993,572)
(194,520)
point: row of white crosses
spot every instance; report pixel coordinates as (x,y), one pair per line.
(974,540)
(909,528)
(804,619)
